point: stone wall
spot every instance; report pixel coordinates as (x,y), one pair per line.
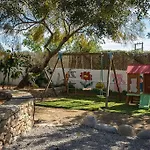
(16,117)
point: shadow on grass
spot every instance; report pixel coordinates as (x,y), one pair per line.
(129,109)
(84,97)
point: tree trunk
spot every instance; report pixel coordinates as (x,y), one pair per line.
(24,82)
(38,69)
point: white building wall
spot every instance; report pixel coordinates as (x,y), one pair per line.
(12,81)
(96,77)
(76,79)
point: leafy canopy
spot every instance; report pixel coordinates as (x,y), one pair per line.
(82,43)
(54,22)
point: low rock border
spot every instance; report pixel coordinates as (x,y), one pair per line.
(123,130)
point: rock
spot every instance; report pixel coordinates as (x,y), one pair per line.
(1,144)
(8,138)
(53,147)
(126,130)
(145,134)
(89,121)
(4,95)
(106,128)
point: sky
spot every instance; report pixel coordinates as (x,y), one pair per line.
(110,45)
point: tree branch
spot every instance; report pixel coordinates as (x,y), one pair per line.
(24,29)
(45,24)
(50,38)
(48,41)
(64,23)
(65,39)
(29,22)
(26,17)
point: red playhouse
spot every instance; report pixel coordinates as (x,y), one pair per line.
(138,85)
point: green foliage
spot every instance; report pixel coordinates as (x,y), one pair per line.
(31,44)
(9,65)
(12,63)
(41,80)
(1,48)
(38,33)
(106,17)
(83,44)
(102,18)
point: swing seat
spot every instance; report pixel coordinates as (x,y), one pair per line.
(87,89)
(100,96)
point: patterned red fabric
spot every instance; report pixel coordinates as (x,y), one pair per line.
(136,68)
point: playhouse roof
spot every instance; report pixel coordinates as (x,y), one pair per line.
(136,68)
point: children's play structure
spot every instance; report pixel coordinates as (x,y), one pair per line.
(138,85)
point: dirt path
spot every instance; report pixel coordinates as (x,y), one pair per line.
(56,116)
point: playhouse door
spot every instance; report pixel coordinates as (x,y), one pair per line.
(133,83)
(147,83)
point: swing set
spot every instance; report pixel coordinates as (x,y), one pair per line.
(100,85)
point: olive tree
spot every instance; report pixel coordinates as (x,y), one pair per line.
(55,22)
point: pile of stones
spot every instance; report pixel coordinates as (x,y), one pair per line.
(123,130)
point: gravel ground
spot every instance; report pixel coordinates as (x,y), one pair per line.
(75,138)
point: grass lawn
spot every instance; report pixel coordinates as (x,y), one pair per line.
(93,103)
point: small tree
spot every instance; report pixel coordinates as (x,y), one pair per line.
(10,66)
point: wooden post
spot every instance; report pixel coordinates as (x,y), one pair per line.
(113,67)
(65,81)
(51,75)
(82,62)
(69,66)
(91,62)
(108,81)
(135,47)
(76,65)
(142,46)
(101,67)
(51,81)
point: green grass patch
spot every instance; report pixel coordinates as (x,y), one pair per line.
(93,103)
